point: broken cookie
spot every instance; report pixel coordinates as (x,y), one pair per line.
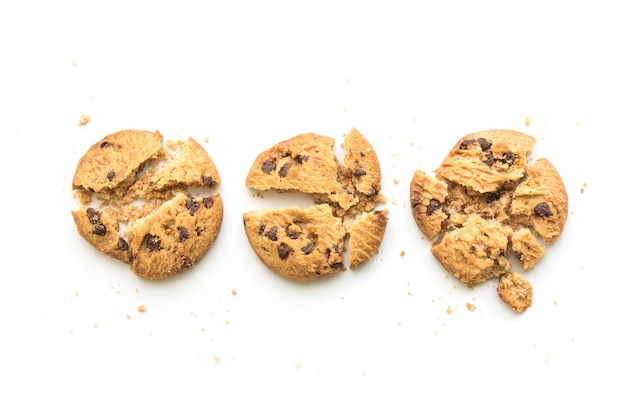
(486,203)
(309,243)
(148,203)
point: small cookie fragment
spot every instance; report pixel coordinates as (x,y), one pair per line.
(136,201)
(514,290)
(527,248)
(306,244)
(486,203)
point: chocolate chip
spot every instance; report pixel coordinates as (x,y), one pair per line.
(492,197)
(208,181)
(284,251)
(122,245)
(272,234)
(199,230)
(509,157)
(192,206)
(543,210)
(99,230)
(106,144)
(183,234)
(484,144)
(308,248)
(153,242)
(466,144)
(359,172)
(268,166)
(337,265)
(284,169)
(207,202)
(293,231)
(261,228)
(301,158)
(93,215)
(432,207)
(110,175)
(489,159)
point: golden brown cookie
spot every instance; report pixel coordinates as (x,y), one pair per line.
(486,204)
(345,195)
(514,290)
(149,204)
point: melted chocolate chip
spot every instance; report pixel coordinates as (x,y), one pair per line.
(207,202)
(261,228)
(122,245)
(268,166)
(432,207)
(466,144)
(284,251)
(489,159)
(209,181)
(99,230)
(543,210)
(509,157)
(484,144)
(337,265)
(308,248)
(284,169)
(192,206)
(301,158)
(93,215)
(359,172)
(153,242)
(110,175)
(183,234)
(272,234)
(492,197)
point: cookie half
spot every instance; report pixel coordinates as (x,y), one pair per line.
(346,196)
(148,203)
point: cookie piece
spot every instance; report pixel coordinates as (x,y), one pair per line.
(301,244)
(514,290)
(476,251)
(484,161)
(344,194)
(526,247)
(427,197)
(540,201)
(366,235)
(147,203)
(485,204)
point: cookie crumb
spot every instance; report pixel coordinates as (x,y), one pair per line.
(141,308)
(449,310)
(84,119)
(471,307)
(527,121)
(402,253)
(128,317)
(217,359)
(396,181)
(206,140)
(234,292)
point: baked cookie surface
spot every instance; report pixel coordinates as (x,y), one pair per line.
(487,203)
(148,203)
(309,243)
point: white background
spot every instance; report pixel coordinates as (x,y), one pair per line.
(239,76)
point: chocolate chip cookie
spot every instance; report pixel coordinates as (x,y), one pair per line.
(148,202)
(309,243)
(486,204)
